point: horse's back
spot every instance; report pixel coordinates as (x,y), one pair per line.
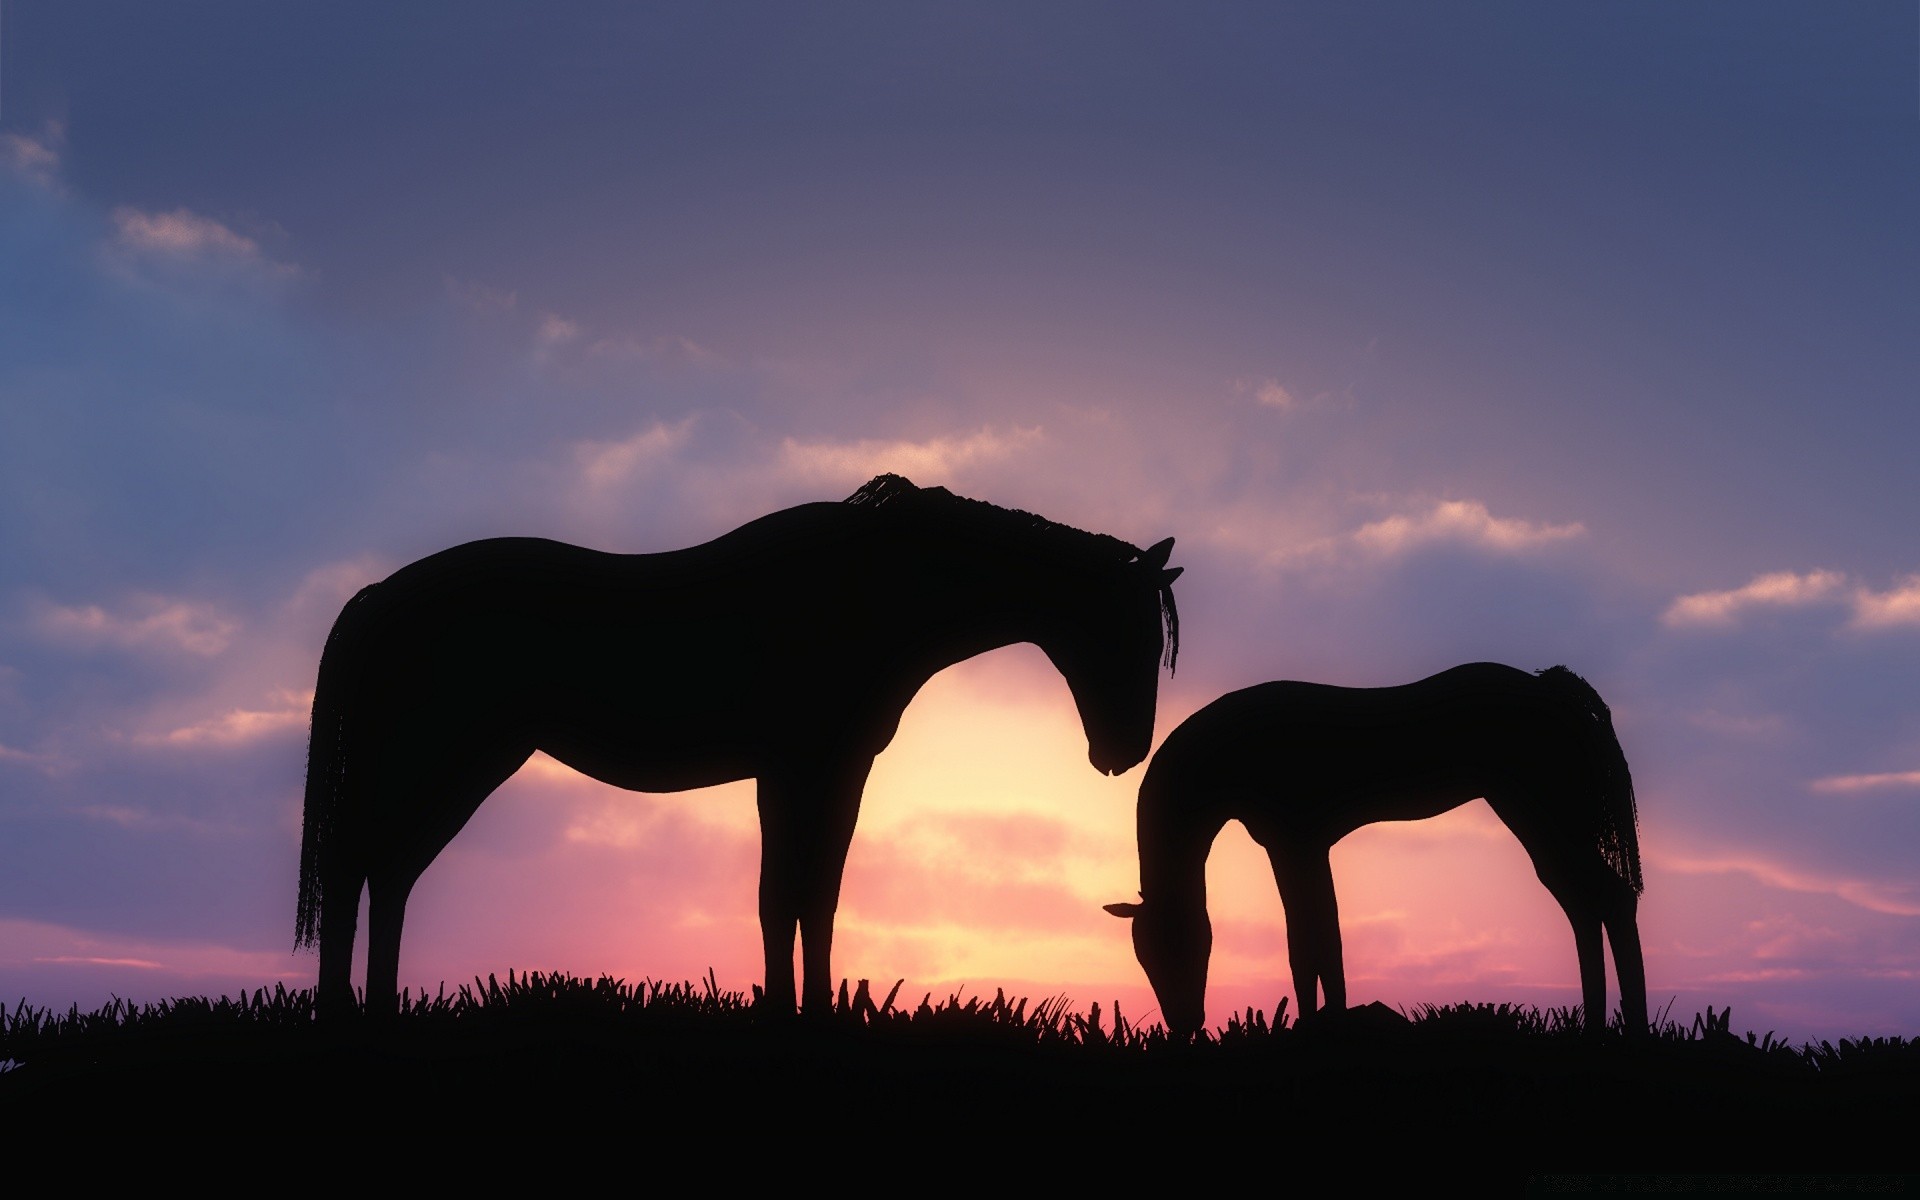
(1291,745)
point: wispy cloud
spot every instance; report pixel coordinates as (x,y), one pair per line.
(25,758)
(606,464)
(1882,781)
(1463,522)
(1894,899)
(1890,609)
(667,348)
(1267,392)
(37,159)
(1294,536)
(143,622)
(186,236)
(556,331)
(26,944)
(481,298)
(239,726)
(1777,589)
(933,461)
(1871,611)
(1740,725)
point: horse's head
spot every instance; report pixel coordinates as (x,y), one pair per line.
(1109,646)
(1173,943)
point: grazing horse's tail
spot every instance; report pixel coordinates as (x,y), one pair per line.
(1616,818)
(326,768)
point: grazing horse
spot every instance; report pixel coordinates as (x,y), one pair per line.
(783,652)
(1302,765)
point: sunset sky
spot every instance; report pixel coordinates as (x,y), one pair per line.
(1583,334)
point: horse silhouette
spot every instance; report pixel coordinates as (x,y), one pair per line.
(784,652)
(1302,765)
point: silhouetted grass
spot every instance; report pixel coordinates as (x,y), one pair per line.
(551,1051)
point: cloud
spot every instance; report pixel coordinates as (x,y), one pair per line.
(1841,784)
(1887,610)
(1268,392)
(1893,899)
(37,159)
(480,298)
(144,622)
(1464,522)
(26,944)
(182,235)
(929,462)
(667,348)
(239,726)
(1872,611)
(557,331)
(27,758)
(1737,725)
(1778,589)
(605,464)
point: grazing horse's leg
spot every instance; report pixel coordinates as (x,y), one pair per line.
(339,917)
(1593,963)
(386,910)
(779,890)
(806,826)
(1305,877)
(409,840)
(820,900)
(1629,967)
(1570,866)
(1573,885)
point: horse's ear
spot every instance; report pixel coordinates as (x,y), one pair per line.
(1155,556)
(1123,910)
(1169,575)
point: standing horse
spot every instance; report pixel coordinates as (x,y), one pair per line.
(784,652)
(1302,765)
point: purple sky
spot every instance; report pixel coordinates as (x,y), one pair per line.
(1579,334)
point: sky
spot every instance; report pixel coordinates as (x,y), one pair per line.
(1577,334)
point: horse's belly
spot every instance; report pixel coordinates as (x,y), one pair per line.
(654,769)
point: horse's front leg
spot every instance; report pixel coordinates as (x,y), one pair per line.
(806,822)
(1305,878)
(779,893)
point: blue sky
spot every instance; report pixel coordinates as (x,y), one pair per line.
(1574,334)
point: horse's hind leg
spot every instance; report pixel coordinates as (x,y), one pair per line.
(1574,890)
(1623,934)
(1593,965)
(386,911)
(339,917)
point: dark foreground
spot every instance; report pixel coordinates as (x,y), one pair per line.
(1483,1090)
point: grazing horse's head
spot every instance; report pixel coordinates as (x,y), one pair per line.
(1109,644)
(1173,943)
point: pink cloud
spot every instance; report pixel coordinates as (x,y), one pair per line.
(143,622)
(1861,783)
(1778,589)
(1898,607)
(933,461)
(1462,521)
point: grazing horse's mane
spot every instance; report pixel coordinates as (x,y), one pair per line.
(898,493)
(1616,817)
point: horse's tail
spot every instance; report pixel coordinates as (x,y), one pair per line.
(326,772)
(1616,817)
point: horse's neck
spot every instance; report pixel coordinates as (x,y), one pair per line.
(1174,843)
(971,604)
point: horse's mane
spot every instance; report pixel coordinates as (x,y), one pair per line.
(899,493)
(1617,817)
